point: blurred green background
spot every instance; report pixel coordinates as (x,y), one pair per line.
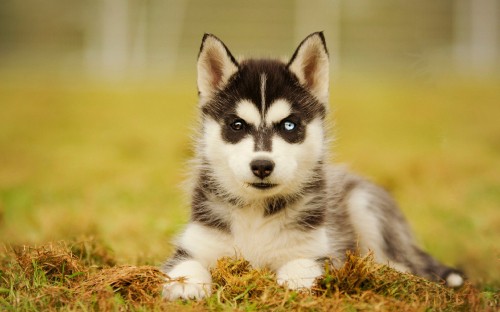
(98,103)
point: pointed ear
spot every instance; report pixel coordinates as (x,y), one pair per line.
(311,65)
(215,65)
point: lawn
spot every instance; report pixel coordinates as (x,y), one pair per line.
(104,163)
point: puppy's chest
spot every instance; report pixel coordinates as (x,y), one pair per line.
(262,240)
(249,225)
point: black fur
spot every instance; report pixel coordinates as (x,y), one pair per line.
(263,139)
(203,214)
(275,205)
(200,212)
(178,256)
(280,84)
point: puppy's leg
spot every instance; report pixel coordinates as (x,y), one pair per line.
(198,249)
(299,273)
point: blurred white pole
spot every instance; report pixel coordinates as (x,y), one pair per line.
(477,35)
(484,34)
(138,57)
(316,15)
(114,36)
(174,13)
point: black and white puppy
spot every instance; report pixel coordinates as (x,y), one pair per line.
(262,188)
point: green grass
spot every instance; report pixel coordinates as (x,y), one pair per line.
(80,159)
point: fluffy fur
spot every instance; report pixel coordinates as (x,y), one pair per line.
(261,188)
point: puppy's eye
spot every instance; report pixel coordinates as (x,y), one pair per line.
(288,125)
(238,125)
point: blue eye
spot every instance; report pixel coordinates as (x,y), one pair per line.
(288,125)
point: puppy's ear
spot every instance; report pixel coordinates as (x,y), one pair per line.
(311,65)
(215,66)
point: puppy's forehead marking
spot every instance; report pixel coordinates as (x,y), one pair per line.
(268,112)
(278,110)
(263,80)
(247,111)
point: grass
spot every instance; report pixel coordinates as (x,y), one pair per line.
(78,276)
(78,159)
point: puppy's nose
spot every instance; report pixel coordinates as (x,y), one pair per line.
(262,168)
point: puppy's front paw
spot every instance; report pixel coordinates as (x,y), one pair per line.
(189,280)
(299,274)
(187,289)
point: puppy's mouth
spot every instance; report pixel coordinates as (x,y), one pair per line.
(263,185)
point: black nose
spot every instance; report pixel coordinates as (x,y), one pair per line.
(262,168)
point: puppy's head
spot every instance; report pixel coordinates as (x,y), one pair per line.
(262,120)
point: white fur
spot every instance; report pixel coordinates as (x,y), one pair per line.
(366,223)
(193,281)
(454,280)
(247,111)
(269,241)
(233,160)
(206,244)
(263,241)
(368,228)
(287,158)
(299,273)
(279,110)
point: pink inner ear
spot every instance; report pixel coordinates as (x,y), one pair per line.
(310,67)
(215,69)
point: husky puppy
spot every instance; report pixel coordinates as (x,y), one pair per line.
(262,188)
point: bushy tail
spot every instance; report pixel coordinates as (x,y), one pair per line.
(432,269)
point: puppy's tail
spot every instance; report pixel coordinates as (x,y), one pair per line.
(436,271)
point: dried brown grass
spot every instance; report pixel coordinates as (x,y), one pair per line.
(82,276)
(57,263)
